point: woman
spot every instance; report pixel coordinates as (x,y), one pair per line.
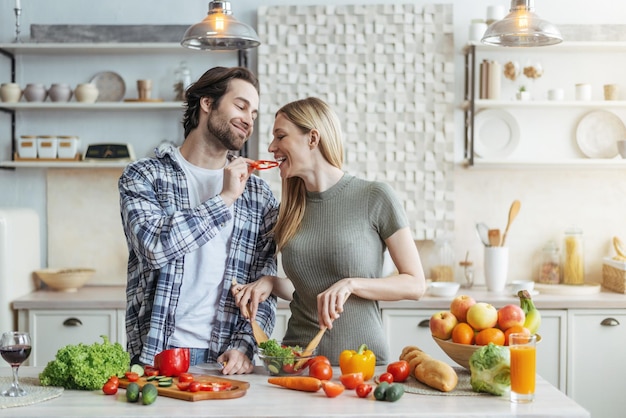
(332,231)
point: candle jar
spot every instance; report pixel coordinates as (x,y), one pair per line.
(35,92)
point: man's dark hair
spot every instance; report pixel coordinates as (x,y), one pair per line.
(213,84)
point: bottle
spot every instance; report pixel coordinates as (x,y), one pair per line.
(442,269)
(573,257)
(183,80)
(550,264)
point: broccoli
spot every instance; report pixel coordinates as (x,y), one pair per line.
(490,368)
(85,367)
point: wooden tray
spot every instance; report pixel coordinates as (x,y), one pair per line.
(77,157)
(238,389)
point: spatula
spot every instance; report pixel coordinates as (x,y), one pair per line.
(310,348)
(513,211)
(259,335)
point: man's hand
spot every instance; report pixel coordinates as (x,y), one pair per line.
(235,362)
(236,174)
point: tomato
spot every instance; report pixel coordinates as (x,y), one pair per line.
(332,389)
(194,386)
(114,379)
(150,371)
(215,386)
(399,370)
(110,388)
(363,390)
(319,358)
(386,377)
(184,386)
(132,376)
(321,370)
(351,380)
(185,377)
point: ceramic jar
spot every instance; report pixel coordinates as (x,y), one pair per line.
(10,92)
(35,93)
(86,93)
(60,93)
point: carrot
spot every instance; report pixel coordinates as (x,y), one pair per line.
(304,383)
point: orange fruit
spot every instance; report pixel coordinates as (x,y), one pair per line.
(463,333)
(490,335)
(514,330)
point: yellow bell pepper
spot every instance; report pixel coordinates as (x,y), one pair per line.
(363,361)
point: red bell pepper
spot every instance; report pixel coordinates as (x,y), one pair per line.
(172,362)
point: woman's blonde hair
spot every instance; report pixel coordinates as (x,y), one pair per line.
(307,114)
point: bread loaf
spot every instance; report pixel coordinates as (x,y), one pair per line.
(430,371)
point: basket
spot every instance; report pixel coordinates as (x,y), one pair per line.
(614,275)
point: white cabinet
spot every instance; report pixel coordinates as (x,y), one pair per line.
(552,350)
(596,364)
(282,317)
(53,329)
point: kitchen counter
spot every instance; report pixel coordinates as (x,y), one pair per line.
(114,297)
(263,400)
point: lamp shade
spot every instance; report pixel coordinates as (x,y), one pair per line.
(220,31)
(522,28)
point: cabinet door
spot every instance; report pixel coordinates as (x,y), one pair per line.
(551,351)
(282,317)
(50,330)
(596,366)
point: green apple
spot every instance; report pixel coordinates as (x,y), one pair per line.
(482,315)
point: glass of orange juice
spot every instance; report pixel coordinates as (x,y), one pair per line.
(523,348)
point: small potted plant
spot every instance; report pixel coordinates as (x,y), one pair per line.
(522,94)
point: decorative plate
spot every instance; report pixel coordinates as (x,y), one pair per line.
(111,86)
(598,132)
(496,133)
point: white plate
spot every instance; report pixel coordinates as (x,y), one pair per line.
(111,86)
(496,133)
(598,132)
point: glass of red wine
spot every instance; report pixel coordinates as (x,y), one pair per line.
(15,348)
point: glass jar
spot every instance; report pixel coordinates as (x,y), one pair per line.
(442,267)
(183,80)
(550,264)
(573,257)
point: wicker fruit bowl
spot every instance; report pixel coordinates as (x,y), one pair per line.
(461,353)
(66,280)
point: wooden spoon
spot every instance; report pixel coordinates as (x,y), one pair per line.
(513,211)
(259,335)
(310,348)
(494,237)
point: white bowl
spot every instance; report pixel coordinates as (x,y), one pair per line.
(443,289)
(518,285)
(66,280)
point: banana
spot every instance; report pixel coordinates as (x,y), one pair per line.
(533,316)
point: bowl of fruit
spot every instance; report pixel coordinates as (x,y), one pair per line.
(469,325)
(283,360)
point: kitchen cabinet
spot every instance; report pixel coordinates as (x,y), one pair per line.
(99,122)
(541,133)
(53,329)
(596,366)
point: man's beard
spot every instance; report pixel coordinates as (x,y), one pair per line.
(222,131)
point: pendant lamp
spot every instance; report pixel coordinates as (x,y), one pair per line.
(522,28)
(220,31)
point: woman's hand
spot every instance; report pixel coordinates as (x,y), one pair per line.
(330,302)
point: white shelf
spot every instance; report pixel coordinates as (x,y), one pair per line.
(63,164)
(93,106)
(587,163)
(562,47)
(499,104)
(96,48)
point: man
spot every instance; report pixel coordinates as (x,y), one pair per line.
(194,219)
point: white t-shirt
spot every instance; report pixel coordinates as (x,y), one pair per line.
(204,268)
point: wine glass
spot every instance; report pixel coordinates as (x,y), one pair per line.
(15,348)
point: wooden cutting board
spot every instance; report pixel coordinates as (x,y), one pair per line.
(237,390)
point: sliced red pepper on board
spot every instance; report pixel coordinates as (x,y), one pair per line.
(215,386)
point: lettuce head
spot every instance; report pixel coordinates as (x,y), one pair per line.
(490,368)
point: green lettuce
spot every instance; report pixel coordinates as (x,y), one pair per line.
(490,368)
(85,367)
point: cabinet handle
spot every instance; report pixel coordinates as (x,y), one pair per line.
(72,322)
(609,322)
(424,323)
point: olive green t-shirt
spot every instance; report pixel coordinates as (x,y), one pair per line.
(341,235)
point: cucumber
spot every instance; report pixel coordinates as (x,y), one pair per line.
(164,383)
(132,392)
(381,390)
(137,368)
(149,393)
(151,378)
(394,392)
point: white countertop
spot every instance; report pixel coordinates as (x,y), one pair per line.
(114,297)
(263,400)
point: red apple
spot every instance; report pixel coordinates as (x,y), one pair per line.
(482,315)
(442,323)
(460,305)
(509,316)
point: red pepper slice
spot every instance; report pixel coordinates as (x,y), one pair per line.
(215,386)
(263,164)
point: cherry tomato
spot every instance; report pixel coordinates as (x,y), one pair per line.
(150,371)
(185,377)
(132,376)
(288,368)
(332,389)
(114,379)
(399,370)
(194,386)
(321,370)
(184,386)
(363,390)
(110,388)
(351,380)
(386,377)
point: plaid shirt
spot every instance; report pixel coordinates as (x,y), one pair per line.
(161,227)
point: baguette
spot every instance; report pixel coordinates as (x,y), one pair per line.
(436,374)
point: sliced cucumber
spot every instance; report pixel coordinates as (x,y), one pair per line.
(273,369)
(165,383)
(137,368)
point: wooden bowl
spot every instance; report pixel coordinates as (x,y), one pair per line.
(461,353)
(66,280)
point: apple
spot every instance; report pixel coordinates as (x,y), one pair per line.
(460,305)
(442,323)
(482,315)
(509,316)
